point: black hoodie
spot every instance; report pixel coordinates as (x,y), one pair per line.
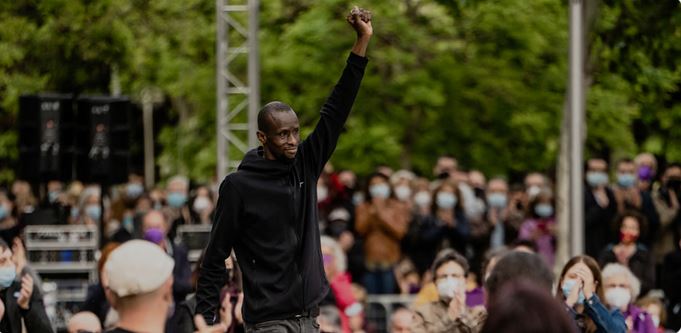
(267,212)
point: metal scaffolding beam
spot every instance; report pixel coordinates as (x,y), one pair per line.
(238,81)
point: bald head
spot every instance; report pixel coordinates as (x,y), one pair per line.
(84,322)
(265,115)
(154,219)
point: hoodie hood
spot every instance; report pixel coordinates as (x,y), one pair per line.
(255,162)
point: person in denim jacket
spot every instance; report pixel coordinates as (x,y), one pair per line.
(580,287)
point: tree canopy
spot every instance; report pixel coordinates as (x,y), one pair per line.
(482,80)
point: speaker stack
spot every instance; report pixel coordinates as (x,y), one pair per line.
(86,139)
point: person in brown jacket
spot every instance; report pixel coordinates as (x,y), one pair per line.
(449,313)
(382,221)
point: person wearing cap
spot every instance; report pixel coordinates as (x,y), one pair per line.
(267,210)
(20,298)
(140,281)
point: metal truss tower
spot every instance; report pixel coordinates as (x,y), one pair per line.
(238,81)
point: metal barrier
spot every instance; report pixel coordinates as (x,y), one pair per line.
(380,307)
(195,237)
(65,257)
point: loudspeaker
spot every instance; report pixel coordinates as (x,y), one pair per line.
(46,137)
(103,139)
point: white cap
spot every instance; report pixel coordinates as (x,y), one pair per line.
(137,267)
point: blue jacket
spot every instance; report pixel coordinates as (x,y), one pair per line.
(606,321)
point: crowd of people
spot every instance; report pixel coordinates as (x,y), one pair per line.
(440,239)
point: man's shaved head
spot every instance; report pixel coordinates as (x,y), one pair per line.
(264,120)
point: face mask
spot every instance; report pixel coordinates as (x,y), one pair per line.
(176,199)
(617,297)
(447,288)
(626,180)
(322,193)
(628,238)
(74,212)
(674,184)
(357,198)
(3,212)
(656,320)
(201,204)
(596,178)
(414,288)
(445,200)
(381,191)
(93,211)
(128,223)
(7,275)
(52,196)
(543,210)
(497,200)
(422,199)
(403,192)
(645,173)
(157,205)
(567,288)
(154,235)
(533,191)
(134,190)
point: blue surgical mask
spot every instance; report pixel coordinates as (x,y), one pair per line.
(74,212)
(567,287)
(543,210)
(52,196)
(3,212)
(445,200)
(7,276)
(596,178)
(626,180)
(176,199)
(94,212)
(497,200)
(381,191)
(134,190)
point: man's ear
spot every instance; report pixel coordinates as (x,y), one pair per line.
(261,137)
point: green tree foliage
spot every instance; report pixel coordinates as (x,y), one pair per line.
(482,80)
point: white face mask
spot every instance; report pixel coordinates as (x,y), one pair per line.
(422,199)
(533,191)
(322,193)
(201,204)
(656,320)
(448,287)
(403,192)
(618,297)
(381,191)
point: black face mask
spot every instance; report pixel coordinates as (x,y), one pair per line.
(674,184)
(443,175)
(336,228)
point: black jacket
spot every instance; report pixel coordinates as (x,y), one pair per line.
(598,221)
(35,318)
(267,212)
(641,264)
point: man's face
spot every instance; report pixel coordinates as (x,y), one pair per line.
(597,165)
(626,168)
(497,186)
(283,135)
(154,221)
(445,165)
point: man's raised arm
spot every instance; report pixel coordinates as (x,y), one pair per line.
(322,141)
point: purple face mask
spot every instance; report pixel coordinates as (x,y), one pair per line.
(645,173)
(154,235)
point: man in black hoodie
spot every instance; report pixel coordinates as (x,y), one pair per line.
(267,210)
